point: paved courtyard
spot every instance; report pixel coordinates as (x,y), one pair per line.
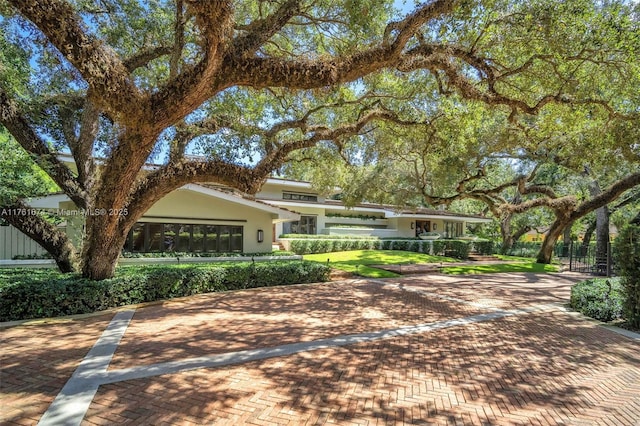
(428,349)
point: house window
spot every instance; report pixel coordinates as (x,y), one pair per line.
(184,237)
(422,226)
(452,229)
(299,197)
(306,225)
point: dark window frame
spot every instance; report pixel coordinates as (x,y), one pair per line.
(299,196)
(308,223)
(234,234)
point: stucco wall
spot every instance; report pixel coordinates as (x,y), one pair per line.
(75,222)
(183,206)
(272,191)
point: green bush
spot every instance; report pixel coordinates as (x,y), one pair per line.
(426,247)
(183,254)
(458,249)
(626,254)
(452,248)
(598,298)
(29,293)
(327,237)
(484,247)
(310,246)
(439,247)
(524,249)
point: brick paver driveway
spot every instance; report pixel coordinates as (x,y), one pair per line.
(432,349)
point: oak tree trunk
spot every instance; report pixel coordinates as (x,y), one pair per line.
(588,234)
(103,242)
(602,235)
(509,238)
(566,240)
(548,244)
(602,226)
(505,233)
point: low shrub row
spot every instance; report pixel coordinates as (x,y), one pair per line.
(180,254)
(328,237)
(531,249)
(154,255)
(311,246)
(598,298)
(484,247)
(453,248)
(47,293)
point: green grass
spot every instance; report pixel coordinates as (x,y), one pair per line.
(514,258)
(555,260)
(498,268)
(358,261)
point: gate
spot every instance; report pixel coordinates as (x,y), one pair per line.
(585,259)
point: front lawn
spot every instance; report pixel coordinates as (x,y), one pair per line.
(507,258)
(500,268)
(358,261)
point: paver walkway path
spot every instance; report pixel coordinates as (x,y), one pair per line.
(477,350)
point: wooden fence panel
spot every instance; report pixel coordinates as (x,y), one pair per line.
(15,243)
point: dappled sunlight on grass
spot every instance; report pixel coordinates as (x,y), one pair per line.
(364,271)
(356,261)
(498,268)
(522,259)
(514,258)
(377,257)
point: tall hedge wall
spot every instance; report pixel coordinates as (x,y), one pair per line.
(454,248)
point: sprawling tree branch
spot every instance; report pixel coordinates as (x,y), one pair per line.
(98,64)
(189,89)
(143,57)
(24,134)
(176,174)
(261,30)
(608,195)
(249,180)
(82,146)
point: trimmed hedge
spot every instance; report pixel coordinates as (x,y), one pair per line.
(626,252)
(35,293)
(484,247)
(185,254)
(531,249)
(163,254)
(598,298)
(327,237)
(452,248)
(310,246)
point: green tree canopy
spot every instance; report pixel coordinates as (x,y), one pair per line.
(253,86)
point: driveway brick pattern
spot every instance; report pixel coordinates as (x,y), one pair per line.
(519,370)
(542,367)
(274,316)
(37,360)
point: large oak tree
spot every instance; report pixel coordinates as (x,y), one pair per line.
(252,82)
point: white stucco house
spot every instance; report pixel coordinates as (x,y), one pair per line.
(210,218)
(321,215)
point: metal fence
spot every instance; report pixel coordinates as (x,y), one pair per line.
(586,259)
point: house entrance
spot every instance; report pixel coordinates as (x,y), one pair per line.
(422,226)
